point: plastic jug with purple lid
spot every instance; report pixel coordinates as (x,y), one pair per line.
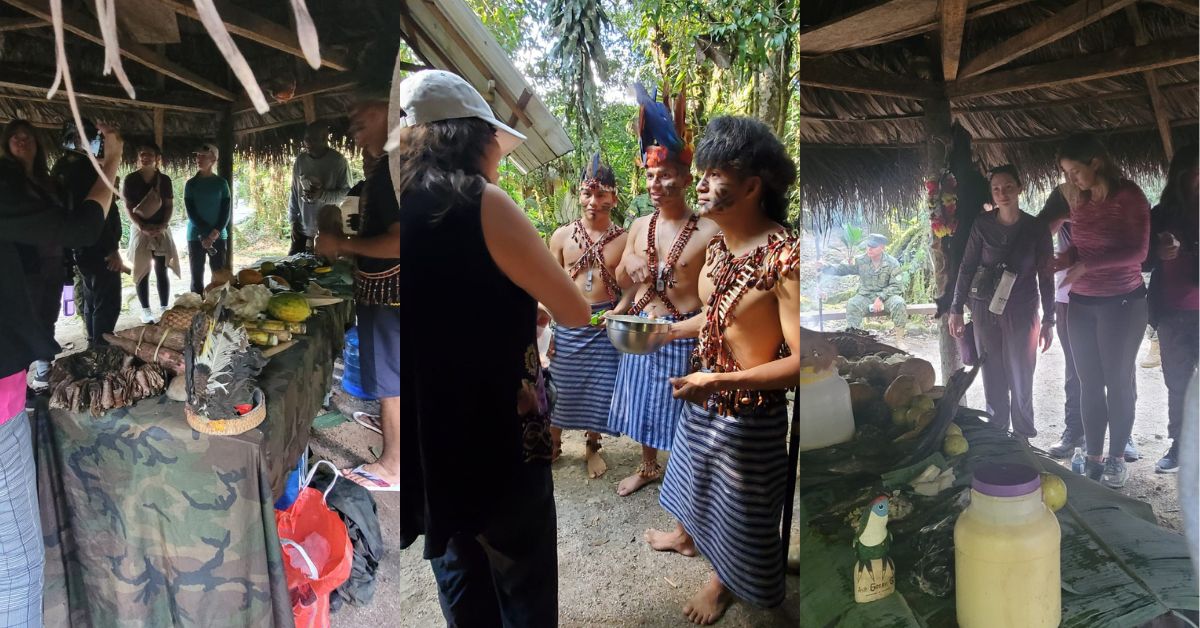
(1006,552)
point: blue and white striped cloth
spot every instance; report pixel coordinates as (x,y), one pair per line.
(642,406)
(584,370)
(22,549)
(725,483)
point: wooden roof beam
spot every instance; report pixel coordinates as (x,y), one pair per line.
(1191,7)
(92,95)
(1061,24)
(1071,102)
(804,117)
(953,20)
(851,40)
(321,85)
(248,25)
(22,24)
(881,18)
(829,74)
(1128,60)
(1141,38)
(86,27)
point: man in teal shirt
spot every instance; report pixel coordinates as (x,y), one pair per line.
(207,199)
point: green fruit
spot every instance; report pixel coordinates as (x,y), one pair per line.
(267,268)
(289,307)
(1054,491)
(954,430)
(925,402)
(900,416)
(954,445)
(914,415)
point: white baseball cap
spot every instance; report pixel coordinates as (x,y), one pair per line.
(434,95)
(207,149)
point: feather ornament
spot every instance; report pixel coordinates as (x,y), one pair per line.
(221,364)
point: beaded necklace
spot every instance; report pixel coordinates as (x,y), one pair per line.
(664,276)
(733,277)
(592,258)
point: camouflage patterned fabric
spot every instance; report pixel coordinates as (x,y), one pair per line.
(148,523)
(885,283)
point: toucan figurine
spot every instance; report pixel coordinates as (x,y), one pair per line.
(874,572)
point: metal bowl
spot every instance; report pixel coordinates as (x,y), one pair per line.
(637,335)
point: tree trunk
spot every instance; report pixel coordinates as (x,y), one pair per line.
(937,128)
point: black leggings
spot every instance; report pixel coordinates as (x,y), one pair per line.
(196,257)
(1105,335)
(160,279)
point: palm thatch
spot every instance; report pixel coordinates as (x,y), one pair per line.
(864,152)
(189,115)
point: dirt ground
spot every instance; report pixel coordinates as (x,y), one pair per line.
(607,575)
(1149,428)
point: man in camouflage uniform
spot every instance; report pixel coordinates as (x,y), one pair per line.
(881,282)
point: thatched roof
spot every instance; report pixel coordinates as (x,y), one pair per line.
(871,69)
(184,86)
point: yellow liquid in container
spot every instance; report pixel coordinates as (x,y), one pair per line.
(1006,560)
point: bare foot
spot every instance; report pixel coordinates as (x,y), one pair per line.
(375,469)
(595,463)
(648,472)
(676,541)
(708,604)
(555,443)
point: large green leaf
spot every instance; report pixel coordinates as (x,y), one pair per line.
(1119,568)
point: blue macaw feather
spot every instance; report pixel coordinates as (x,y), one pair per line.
(655,123)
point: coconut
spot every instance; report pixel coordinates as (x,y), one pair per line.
(920,370)
(901,392)
(861,396)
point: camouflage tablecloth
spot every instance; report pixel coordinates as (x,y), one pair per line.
(149,523)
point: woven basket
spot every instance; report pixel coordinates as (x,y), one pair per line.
(230,427)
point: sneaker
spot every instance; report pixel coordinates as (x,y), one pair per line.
(41,381)
(1093,470)
(1067,444)
(147,316)
(1131,452)
(1170,460)
(1115,473)
(1152,359)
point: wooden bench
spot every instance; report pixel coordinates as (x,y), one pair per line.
(810,318)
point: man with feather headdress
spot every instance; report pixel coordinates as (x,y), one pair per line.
(727,477)
(583,363)
(660,268)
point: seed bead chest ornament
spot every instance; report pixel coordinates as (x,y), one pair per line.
(733,278)
(664,138)
(597,177)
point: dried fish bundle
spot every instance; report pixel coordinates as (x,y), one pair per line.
(103,379)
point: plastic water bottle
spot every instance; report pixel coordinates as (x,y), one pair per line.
(1078,462)
(351,373)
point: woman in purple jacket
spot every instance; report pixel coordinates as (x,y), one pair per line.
(1007,241)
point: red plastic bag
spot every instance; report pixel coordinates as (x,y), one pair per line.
(317,554)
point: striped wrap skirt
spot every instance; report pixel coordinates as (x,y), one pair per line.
(725,483)
(642,405)
(584,371)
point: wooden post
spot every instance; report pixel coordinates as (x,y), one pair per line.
(158,128)
(225,168)
(310,108)
(937,129)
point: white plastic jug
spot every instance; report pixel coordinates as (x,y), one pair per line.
(826,417)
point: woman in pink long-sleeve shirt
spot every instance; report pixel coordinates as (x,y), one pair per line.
(1107,313)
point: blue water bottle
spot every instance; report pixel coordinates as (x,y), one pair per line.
(1078,462)
(351,371)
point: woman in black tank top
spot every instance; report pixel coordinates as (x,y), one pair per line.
(475,439)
